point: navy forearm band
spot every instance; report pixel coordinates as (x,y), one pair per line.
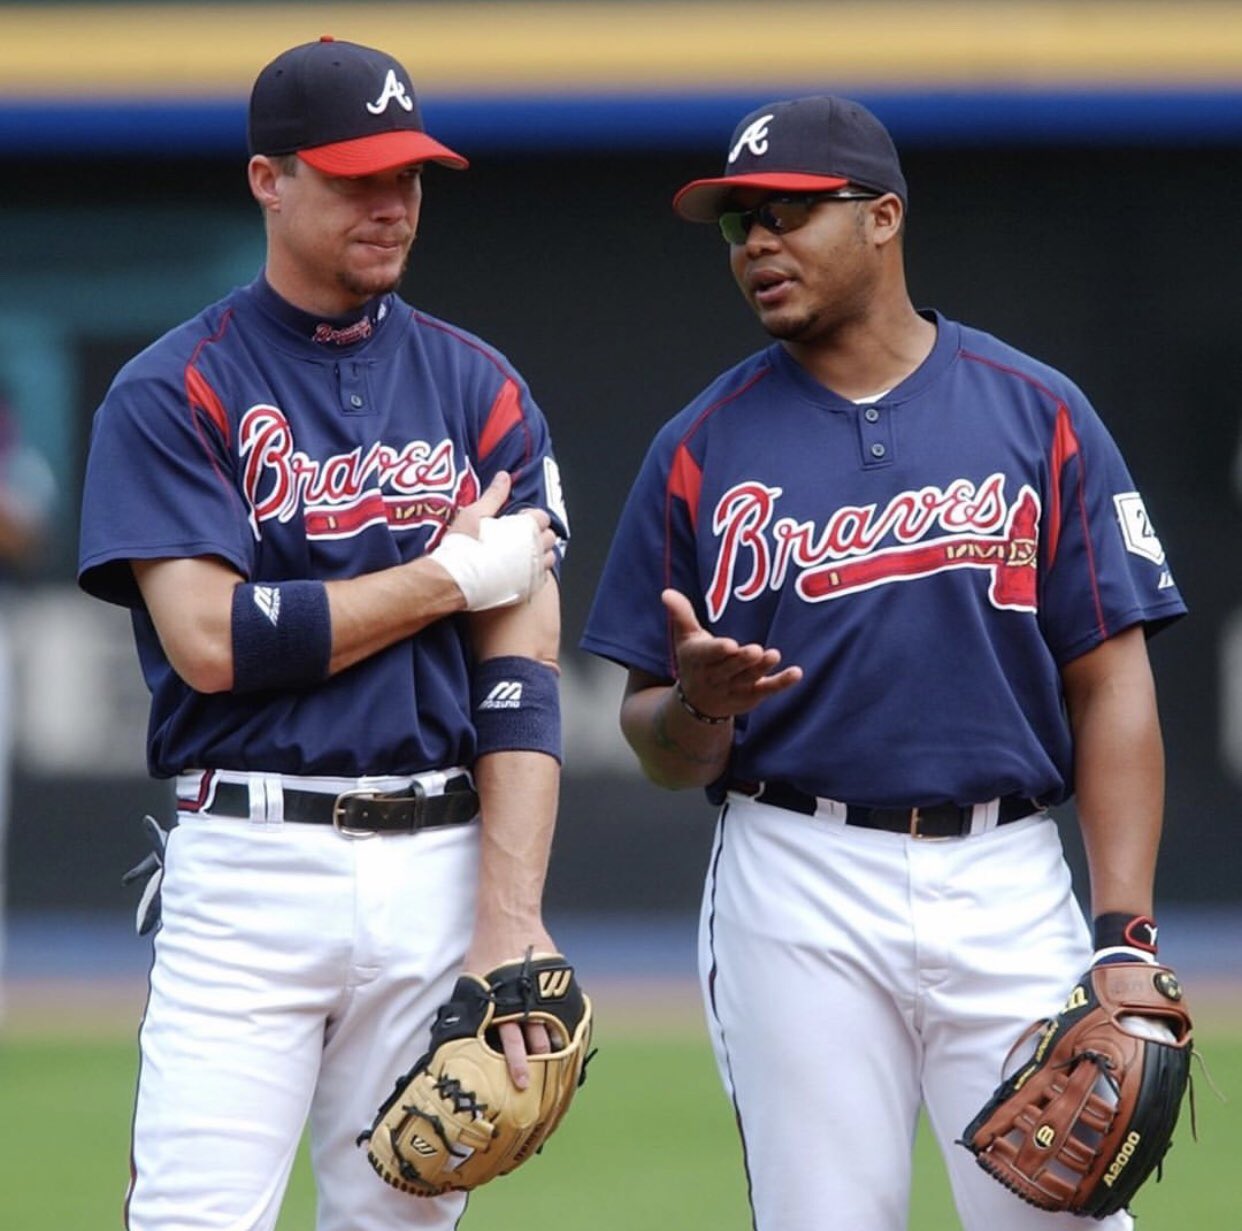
(516,703)
(282,635)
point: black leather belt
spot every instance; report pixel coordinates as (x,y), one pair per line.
(404,811)
(936,821)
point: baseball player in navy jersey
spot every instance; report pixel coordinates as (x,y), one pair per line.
(883,590)
(336,521)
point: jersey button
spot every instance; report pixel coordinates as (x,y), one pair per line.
(355,401)
(871,415)
(878,450)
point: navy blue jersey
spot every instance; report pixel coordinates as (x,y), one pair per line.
(295,448)
(931,561)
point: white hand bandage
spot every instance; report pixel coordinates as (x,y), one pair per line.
(504,565)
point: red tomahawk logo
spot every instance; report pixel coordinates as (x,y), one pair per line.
(1011,559)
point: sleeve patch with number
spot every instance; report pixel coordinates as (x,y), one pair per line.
(1136,528)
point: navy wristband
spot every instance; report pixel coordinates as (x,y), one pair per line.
(282,635)
(516,705)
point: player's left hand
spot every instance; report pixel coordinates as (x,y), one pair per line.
(454,1121)
(494,560)
(1088,1117)
(718,675)
(517,1039)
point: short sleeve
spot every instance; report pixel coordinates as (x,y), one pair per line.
(514,436)
(1106,568)
(159,484)
(653,549)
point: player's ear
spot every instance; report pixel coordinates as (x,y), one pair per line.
(887,215)
(263,172)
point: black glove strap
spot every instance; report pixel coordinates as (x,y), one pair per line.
(1116,929)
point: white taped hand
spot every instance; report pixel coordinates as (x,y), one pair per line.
(504,565)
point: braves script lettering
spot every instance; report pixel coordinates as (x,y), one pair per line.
(416,485)
(330,335)
(916,534)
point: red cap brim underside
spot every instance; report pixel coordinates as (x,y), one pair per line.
(380,152)
(704,200)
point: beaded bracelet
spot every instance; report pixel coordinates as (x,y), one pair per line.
(697,714)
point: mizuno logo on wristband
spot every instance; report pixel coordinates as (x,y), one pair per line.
(267,600)
(507,695)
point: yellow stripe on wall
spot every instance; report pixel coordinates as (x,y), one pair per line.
(545,48)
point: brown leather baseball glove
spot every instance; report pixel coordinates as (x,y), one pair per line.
(1089,1116)
(456,1120)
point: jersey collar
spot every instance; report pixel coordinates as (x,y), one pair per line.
(943,353)
(330,335)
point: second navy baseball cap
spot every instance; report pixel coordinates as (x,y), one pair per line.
(811,144)
(343,108)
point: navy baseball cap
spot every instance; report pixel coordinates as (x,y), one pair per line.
(343,108)
(800,145)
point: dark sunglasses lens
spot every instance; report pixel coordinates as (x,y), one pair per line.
(782,216)
(779,215)
(734,225)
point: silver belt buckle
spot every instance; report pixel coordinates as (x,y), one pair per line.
(338,809)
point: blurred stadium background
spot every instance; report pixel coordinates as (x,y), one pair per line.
(1074,169)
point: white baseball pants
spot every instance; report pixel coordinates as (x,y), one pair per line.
(853,976)
(296,974)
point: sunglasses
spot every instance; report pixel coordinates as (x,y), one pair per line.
(784,214)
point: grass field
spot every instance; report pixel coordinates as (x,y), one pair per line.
(649,1145)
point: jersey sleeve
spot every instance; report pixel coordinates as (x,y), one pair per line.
(514,436)
(1105,567)
(159,484)
(653,549)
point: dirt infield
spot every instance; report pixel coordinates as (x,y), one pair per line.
(65,1008)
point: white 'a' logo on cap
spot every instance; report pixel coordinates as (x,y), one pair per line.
(393,89)
(755,138)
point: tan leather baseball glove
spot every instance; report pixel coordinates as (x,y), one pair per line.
(456,1120)
(1089,1116)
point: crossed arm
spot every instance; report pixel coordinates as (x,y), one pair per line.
(191,602)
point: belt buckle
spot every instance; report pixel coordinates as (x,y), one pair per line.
(916,821)
(338,809)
